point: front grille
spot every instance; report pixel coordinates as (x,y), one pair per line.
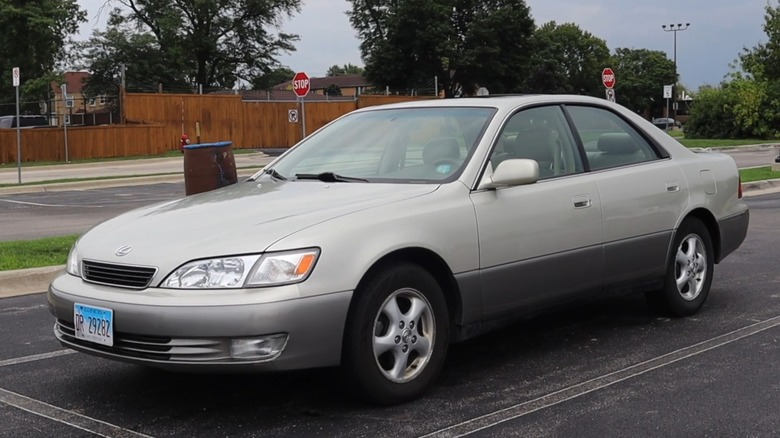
(137,277)
(156,348)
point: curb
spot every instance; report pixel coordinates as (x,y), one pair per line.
(28,281)
(757,188)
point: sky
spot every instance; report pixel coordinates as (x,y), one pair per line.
(718,32)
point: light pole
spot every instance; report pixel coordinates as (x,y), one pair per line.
(674,28)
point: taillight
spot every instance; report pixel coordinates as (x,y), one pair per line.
(739,190)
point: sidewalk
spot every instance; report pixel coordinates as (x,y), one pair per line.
(113,173)
(148,171)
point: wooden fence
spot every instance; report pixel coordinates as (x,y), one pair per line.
(48,144)
(155,123)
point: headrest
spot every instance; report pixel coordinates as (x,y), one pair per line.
(617,143)
(535,144)
(440,148)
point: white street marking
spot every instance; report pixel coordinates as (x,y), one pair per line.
(35,357)
(36,204)
(489,420)
(70,418)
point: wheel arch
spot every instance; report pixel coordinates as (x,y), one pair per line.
(708,219)
(431,262)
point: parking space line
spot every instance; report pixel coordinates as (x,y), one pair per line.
(37,204)
(73,419)
(492,419)
(35,357)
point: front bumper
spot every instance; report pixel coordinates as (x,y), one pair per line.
(195,333)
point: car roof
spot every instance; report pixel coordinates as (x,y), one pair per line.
(496,101)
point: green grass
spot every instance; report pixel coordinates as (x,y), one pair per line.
(23,254)
(676,134)
(758,174)
(708,143)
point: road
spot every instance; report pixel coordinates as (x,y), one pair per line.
(609,368)
(754,157)
(45,214)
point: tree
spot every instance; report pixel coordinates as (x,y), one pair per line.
(346,69)
(763,60)
(121,44)
(215,41)
(33,38)
(333,90)
(567,59)
(747,102)
(276,76)
(465,44)
(641,75)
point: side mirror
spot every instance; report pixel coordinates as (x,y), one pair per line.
(512,172)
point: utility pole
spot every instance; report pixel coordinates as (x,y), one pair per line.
(674,28)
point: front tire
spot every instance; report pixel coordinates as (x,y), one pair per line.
(689,274)
(396,335)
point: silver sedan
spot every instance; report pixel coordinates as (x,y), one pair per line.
(396,230)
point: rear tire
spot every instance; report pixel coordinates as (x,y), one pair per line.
(396,335)
(689,274)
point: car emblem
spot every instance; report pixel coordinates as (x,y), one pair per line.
(123,251)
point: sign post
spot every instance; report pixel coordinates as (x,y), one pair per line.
(608,79)
(301,86)
(64,121)
(16,81)
(667,95)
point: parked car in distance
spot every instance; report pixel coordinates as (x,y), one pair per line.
(395,230)
(25,121)
(666,123)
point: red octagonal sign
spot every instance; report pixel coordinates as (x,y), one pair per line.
(608,78)
(301,84)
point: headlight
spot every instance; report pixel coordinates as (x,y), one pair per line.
(244,271)
(73,265)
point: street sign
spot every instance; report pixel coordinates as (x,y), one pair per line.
(301,84)
(610,95)
(17,76)
(608,78)
(292,116)
(667,91)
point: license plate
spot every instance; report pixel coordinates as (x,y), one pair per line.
(94,324)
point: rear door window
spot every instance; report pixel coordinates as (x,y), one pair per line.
(609,140)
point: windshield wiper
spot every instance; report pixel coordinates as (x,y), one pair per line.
(329,177)
(274,174)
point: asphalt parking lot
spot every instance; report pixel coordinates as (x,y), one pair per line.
(609,368)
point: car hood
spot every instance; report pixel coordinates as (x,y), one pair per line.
(243,218)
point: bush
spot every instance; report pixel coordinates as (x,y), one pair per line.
(742,108)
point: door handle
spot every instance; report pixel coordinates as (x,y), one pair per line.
(672,187)
(581,201)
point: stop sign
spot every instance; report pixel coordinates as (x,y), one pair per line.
(608,78)
(301,84)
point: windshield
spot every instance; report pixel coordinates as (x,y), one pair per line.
(393,145)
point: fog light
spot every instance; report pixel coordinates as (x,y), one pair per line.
(264,348)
